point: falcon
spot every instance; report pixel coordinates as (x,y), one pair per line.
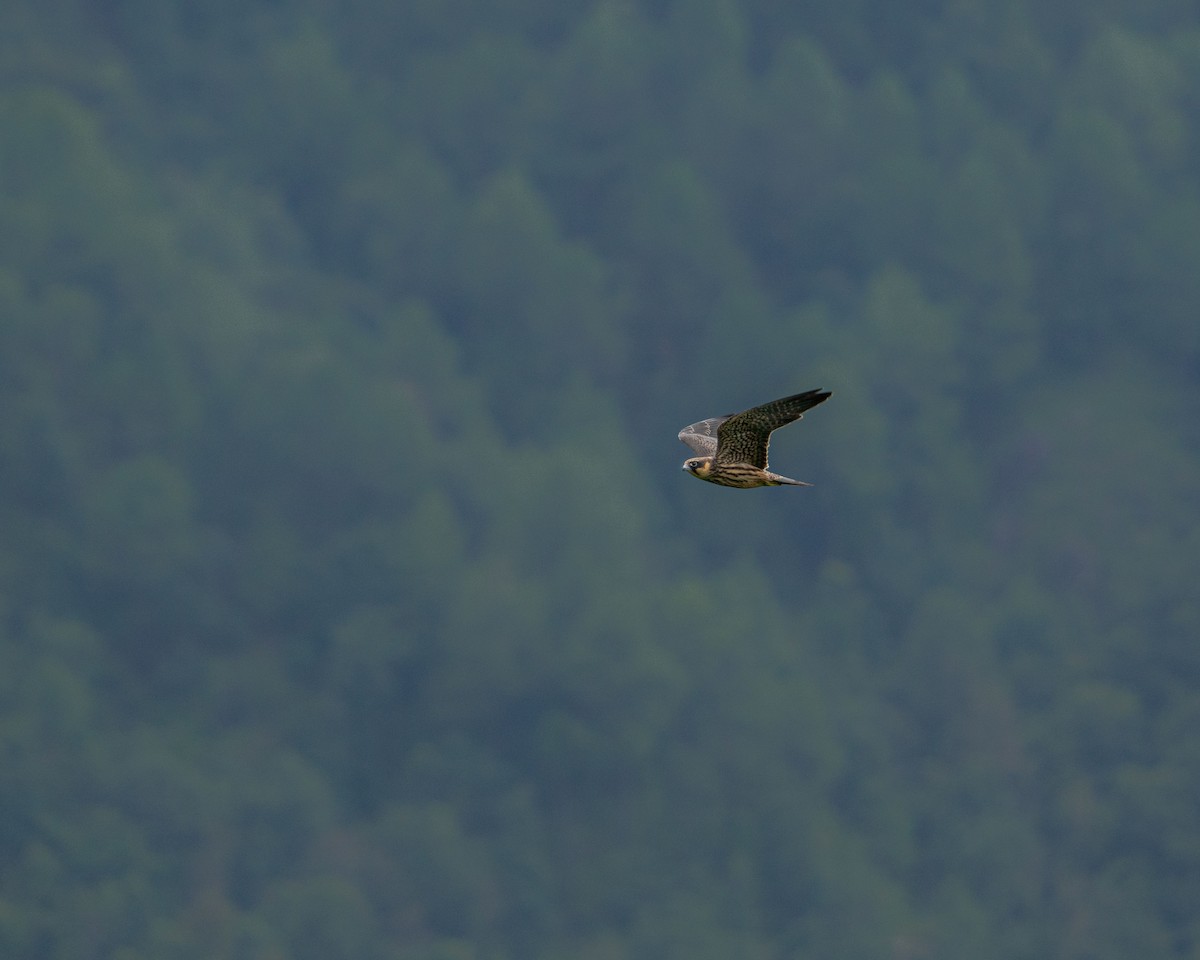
(733,449)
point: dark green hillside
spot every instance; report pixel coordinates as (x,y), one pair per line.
(352,601)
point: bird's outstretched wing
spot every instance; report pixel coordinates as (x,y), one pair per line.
(745,437)
(702,436)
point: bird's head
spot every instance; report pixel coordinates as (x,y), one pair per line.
(701,467)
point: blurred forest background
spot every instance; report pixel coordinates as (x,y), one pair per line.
(352,603)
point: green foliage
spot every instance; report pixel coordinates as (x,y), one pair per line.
(351,602)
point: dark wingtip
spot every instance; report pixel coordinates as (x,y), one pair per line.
(819,395)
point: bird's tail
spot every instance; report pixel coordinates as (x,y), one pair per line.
(788,481)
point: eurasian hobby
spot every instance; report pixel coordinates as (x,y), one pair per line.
(733,449)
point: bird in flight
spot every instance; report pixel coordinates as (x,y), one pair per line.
(733,449)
